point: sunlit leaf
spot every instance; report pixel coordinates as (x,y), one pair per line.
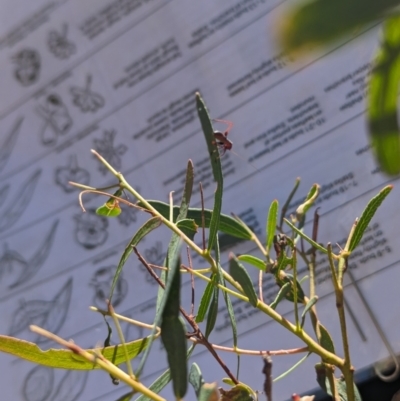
(111,208)
(367,215)
(252,260)
(65,359)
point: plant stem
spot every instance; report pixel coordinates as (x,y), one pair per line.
(101,361)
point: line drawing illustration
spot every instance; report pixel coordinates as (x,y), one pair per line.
(59,45)
(71,172)
(14,209)
(128,214)
(7,145)
(110,152)
(39,384)
(47,314)
(85,99)
(57,120)
(18,268)
(28,65)
(155,256)
(101,283)
(91,229)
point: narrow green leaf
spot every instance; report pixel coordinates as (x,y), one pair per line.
(252,260)
(173,334)
(318,22)
(205,300)
(147,227)
(162,380)
(282,294)
(227,299)
(188,226)
(288,200)
(309,201)
(290,370)
(111,208)
(326,339)
(283,278)
(212,311)
(228,224)
(66,359)
(187,192)
(216,168)
(383,99)
(308,306)
(367,215)
(196,378)
(239,274)
(271,223)
(308,239)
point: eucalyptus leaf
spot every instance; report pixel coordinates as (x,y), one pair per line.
(252,260)
(271,223)
(228,224)
(146,228)
(367,215)
(205,300)
(196,378)
(239,274)
(308,306)
(66,359)
(216,168)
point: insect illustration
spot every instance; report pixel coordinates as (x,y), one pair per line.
(222,140)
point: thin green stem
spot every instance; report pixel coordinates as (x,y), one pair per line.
(122,340)
(295,289)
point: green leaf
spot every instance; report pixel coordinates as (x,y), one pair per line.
(228,224)
(308,306)
(66,359)
(188,226)
(318,22)
(227,299)
(309,201)
(187,191)
(239,274)
(367,215)
(290,370)
(212,311)
(308,239)
(323,381)
(282,294)
(383,99)
(252,260)
(196,378)
(271,223)
(282,278)
(216,168)
(205,300)
(326,339)
(288,200)
(173,335)
(111,208)
(162,380)
(147,227)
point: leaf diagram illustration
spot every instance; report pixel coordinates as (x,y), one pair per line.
(16,269)
(57,120)
(13,210)
(47,314)
(109,151)
(27,66)
(85,99)
(59,45)
(40,383)
(71,172)
(7,144)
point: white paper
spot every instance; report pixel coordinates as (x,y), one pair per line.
(119,76)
